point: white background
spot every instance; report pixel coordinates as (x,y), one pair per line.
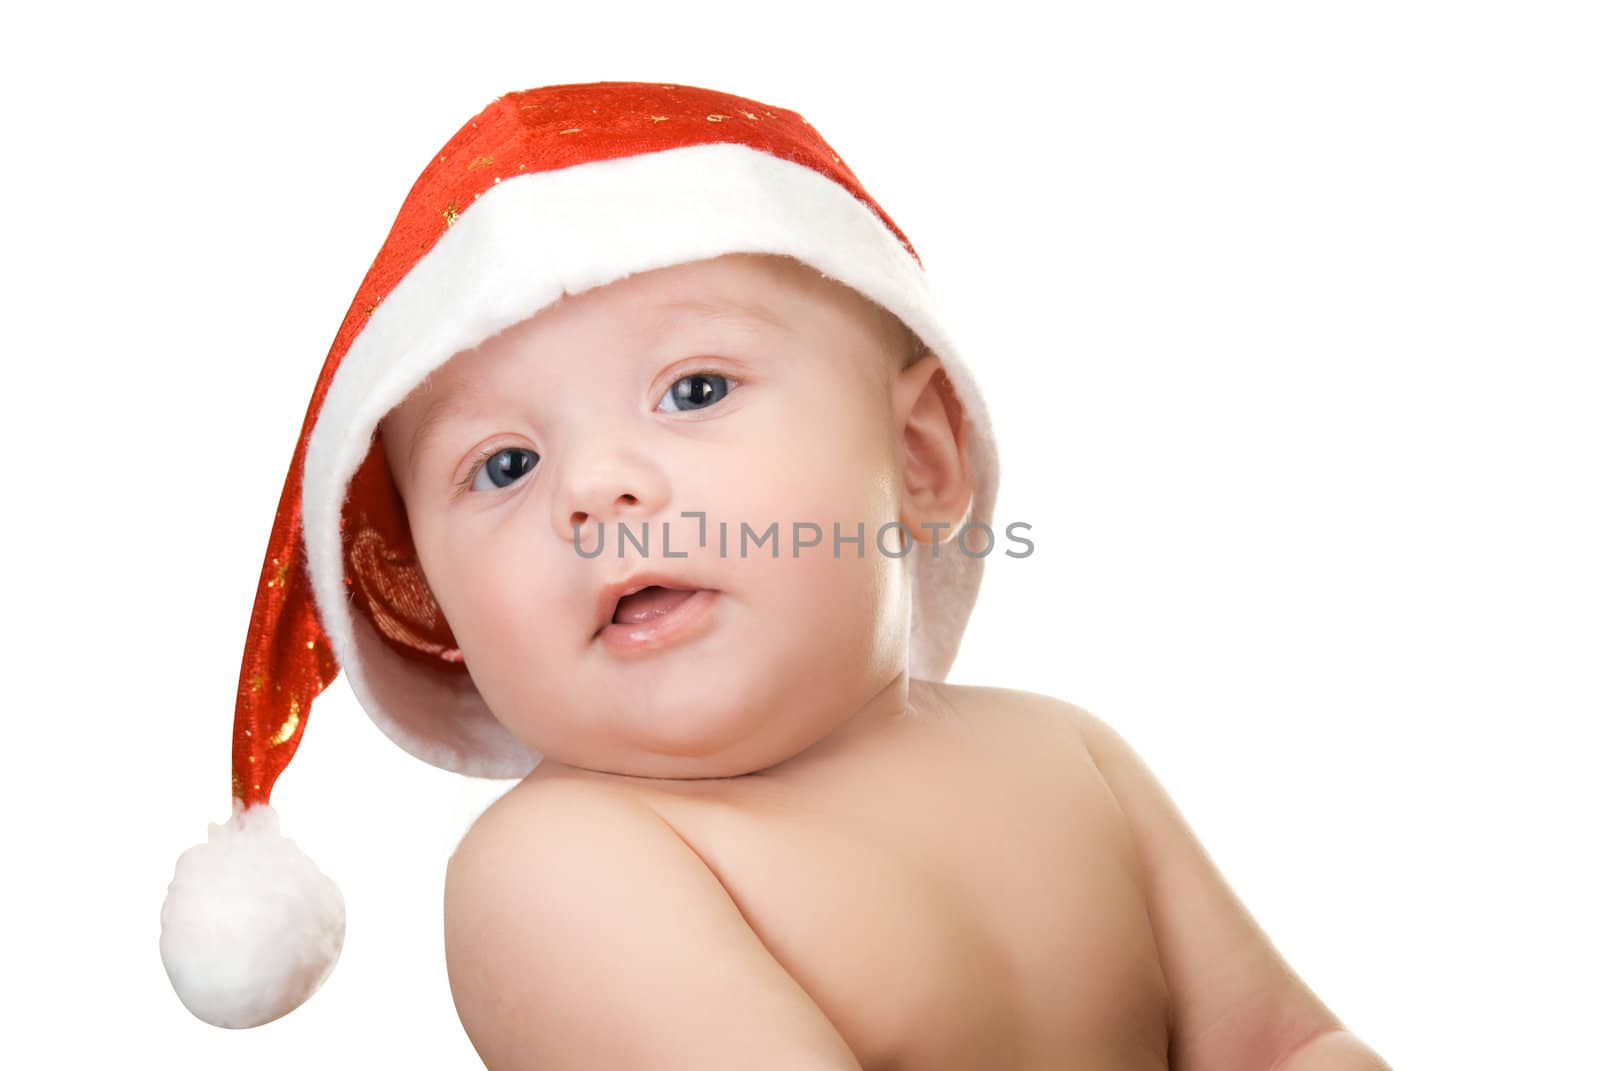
(1288,318)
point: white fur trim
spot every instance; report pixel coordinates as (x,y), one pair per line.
(521,246)
(250,927)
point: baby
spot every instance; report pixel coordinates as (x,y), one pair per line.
(675,510)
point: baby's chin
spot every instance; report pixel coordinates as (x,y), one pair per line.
(716,737)
(636,759)
(659,767)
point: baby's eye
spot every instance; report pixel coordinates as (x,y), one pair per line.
(695,391)
(504,468)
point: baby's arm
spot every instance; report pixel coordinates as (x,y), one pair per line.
(581,931)
(1237,1006)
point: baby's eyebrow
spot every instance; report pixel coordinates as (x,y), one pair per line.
(719,309)
(443,409)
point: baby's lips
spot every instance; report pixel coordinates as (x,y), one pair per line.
(615,592)
(652,601)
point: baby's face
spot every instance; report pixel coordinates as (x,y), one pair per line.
(635,403)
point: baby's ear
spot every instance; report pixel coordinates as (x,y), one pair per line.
(934,435)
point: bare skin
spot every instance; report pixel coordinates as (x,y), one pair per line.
(984,878)
(957,890)
(763,844)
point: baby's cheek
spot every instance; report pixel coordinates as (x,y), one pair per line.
(496,612)
(827,527)
(821,474)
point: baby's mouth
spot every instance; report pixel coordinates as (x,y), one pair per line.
(651,602)
(643,610)
(655,617)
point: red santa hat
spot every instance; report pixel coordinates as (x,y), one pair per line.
(545,193)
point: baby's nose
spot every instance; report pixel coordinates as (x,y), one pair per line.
(626,490)
(624,504)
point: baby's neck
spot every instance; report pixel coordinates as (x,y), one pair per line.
(889,706)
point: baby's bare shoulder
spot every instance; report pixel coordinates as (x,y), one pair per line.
(568,899)
(1037,739)
(995,697)
(1027,714)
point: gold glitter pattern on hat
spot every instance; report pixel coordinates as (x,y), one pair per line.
(290,724)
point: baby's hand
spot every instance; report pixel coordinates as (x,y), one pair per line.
(1338,1050)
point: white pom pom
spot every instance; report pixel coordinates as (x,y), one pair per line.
(250,927)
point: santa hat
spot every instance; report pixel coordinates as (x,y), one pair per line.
(545,193)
